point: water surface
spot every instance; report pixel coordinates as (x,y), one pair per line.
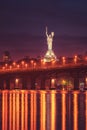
(43,110)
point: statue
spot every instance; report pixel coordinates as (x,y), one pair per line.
(49,39)
(49,56)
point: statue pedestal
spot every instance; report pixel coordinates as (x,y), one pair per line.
(49,56)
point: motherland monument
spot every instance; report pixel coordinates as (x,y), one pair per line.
(49,56)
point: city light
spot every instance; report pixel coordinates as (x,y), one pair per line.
(75,59)
(63,60)
(42,64)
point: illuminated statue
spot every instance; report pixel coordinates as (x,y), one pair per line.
(49,39)
(49,56)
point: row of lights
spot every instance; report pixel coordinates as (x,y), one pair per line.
(65,84)
(34,64)
(15,65)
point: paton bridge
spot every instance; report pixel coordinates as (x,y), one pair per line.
(43,76)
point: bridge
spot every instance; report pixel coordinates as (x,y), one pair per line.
(42,75)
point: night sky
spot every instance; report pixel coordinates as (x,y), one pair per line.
(22,27)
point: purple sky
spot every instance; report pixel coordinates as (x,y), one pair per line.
(22,27)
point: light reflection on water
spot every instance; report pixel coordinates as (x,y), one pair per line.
(75,111)
(86,111)
(43,110)
(63,111)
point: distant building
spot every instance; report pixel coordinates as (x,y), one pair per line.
(6,56)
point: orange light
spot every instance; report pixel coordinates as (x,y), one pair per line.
(86,58)
(53,62)
(16,81)
(86,110)
(75,59)
(14,63)
(14,110)
(75,111)
(10,111)
(22,111)
(43,111)
(26,65)
(26,110)
(53,111)
(76,56)
(34,64)
(86,79)
(43,62)
(3,67)
(18,66)
(22,62)
(63,82)
(52,81)
(63,60)
(4,110)
(10,67)
(17,110)
(6,65)
(32,61)
(33,110)
(63,111)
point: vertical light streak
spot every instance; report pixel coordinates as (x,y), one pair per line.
(75,112)
(48,110)
(4,109)
(86,110)
(33,110)
(17,110)
(43,111)
(22,111)
(14,110)
(53,111)
(63,111)
(3,113)
(10,111)
(26,110)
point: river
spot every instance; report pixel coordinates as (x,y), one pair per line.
(43,110)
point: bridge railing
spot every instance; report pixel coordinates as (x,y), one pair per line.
(37,66)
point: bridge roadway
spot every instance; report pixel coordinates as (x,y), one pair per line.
(40,77)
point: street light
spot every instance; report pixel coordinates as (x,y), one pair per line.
(3,67)
(53,83)
(43,63)
(64,84)
(22,62)
(86,82)
(10,67)
(75,59)
(26,65)
(14,64)
(16,82)
(32,62)
(53,62)
(18,66)
(6,65)
(63,60)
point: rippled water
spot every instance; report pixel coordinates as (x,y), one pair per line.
(43,110)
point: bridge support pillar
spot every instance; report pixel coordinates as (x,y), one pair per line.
(42,83)
(33,83)
(76,83)
(7,84)
(24,83)
(1,84)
